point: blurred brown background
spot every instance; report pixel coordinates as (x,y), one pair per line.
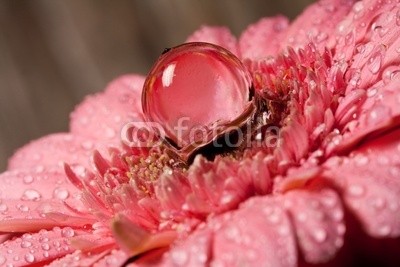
(54,52)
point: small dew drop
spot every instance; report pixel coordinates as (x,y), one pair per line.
(26,244)
(179,257)
(32,195)
(371,92)
(398,17)
(2,259)
(341,229)
(110,133)
(28,179)
(23,208)
(357,9)
(361,160)
(87,145)
(356,190)
(60,193)
(3,207)
(45,246)
(384,230)
(67,232)
(390,73)
(29,258)
(320,235)
(374,63)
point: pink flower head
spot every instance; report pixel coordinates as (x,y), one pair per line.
(326,193)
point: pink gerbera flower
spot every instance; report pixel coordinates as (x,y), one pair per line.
(328,192)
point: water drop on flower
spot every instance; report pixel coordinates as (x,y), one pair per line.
(356,190)
(375,62)
(3,207)
(320,235)
(195,92)
(67,232)
(28,179)
(31,194)
(384,230)
(23,208)
(179,257)
(2,260)
(45,246)
(60,193)
(29,258)
(26,244)
(390,73)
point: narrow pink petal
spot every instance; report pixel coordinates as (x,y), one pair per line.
(259,232)
(263,38)
(370,185)
(318,223)
(102,116)
(39,248)
(31,185)
(28,216)
(53,150)
(325,14)
(216,35)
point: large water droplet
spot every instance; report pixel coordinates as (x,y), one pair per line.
(31,194)
(189,77)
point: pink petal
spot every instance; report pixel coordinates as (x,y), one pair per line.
(370,185)
(78,259)
(103,115)
(263,38)
(318,221)
(371,101)
(39,248)
(114,258)
(54,149)
(216,35)
(325,14)
(35,186)
(28,216)
(35,200)
(195,251)
(368,40)
(259,232)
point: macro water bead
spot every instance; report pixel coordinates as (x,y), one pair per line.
(196,92)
